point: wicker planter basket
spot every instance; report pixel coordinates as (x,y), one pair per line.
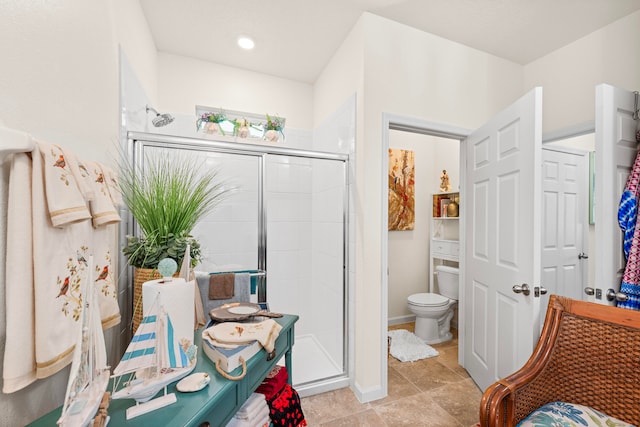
(140,275)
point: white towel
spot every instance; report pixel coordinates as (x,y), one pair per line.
(103,236)
(64,200)
(104,274)
(262,420)
(252,407)
(81,174)
(102,209)
(45,268)
(58,267)
(113,185)
(19,353)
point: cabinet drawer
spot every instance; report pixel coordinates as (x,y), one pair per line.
(455,249)
(444,248)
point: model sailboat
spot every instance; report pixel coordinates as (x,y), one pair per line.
(153,360)
(89,375)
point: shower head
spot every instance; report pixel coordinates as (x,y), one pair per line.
(160,119)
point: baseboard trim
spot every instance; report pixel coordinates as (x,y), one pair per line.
(369,394)
(401,319)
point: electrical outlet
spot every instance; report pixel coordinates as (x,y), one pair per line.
(598,293)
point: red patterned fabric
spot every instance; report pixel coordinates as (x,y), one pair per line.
(285,409)
(274,382)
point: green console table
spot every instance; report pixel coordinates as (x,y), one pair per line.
(212,406)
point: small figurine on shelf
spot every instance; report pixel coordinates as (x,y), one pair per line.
(445,186)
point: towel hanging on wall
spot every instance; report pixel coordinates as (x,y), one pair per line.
(49,239)
(627,219)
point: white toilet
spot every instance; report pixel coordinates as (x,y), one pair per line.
(434,311)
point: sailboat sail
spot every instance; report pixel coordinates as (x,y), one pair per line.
(152,345)
(171,353)
(153,359)
(88,378)
(141,352)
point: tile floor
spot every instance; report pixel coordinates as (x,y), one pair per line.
(434,392)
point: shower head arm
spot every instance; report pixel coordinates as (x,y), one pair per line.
(152,109)
(159,119)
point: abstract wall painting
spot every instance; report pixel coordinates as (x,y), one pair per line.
(401,189)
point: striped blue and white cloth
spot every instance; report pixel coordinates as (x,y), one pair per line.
(627,219)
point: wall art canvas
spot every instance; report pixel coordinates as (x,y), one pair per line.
(401,189)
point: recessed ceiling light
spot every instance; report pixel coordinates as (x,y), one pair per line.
(246,43)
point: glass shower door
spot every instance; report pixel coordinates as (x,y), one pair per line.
(286,217)
(306,213)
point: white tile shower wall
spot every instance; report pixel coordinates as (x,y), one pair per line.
(229,235)
(328,250)
(288,234)
(335,134)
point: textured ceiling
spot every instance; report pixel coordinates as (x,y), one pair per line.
(296,38)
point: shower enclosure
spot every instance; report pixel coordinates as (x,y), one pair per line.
(287,217)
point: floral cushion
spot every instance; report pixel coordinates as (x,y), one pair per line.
(560,414)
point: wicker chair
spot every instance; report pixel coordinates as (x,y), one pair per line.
(588,354)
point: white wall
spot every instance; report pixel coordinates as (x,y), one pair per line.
(409,250)
(569,75)
(186,82)
(416,74)
(59,82)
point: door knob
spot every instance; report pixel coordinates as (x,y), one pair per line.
(582,255)
(543,291)
(589,291)
(618,296)
(521,289)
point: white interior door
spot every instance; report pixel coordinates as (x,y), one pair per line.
(502,246)
(615,153)
(565,218)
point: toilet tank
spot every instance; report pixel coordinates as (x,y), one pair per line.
(448,281)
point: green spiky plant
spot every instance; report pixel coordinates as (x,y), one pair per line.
(167,197)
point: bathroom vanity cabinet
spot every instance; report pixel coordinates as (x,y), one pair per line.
(444,232)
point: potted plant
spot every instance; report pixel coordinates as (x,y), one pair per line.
(272,127)
(167,197)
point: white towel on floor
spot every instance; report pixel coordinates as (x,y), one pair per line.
(407,347)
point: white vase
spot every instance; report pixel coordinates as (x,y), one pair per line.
(211,128)
(243,132)
(271,135)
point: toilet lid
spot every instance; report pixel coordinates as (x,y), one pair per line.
(428,300)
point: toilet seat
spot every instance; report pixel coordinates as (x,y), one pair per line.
(428,300)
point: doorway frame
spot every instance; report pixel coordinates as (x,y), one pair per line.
(391,121)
